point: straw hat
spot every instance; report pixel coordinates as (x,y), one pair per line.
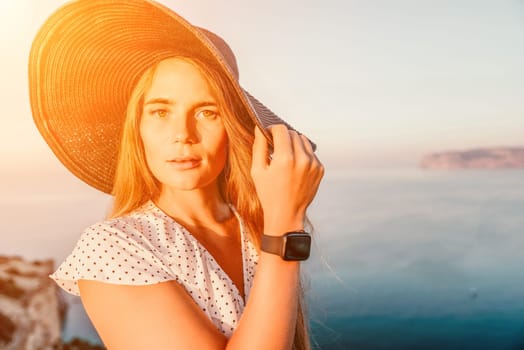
(86,60)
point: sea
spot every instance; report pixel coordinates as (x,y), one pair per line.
(409,259)
(415,259)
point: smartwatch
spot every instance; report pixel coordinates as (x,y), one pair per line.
(292,246)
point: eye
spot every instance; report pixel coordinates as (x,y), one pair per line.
(206,114)
(161,113)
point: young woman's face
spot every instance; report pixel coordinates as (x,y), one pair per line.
(184,139)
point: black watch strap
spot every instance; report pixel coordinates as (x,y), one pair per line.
(272,244)
(294,245)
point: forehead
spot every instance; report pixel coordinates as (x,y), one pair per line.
(179,78)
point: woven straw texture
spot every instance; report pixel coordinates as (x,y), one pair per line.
(84,63)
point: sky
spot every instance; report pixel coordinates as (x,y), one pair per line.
(373,83)
(376,84)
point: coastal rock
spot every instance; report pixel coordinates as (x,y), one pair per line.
(31,312)
(78,344)
(480,158)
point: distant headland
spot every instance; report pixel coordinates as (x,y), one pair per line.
(479,158)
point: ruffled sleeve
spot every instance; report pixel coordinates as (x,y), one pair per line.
(111,253)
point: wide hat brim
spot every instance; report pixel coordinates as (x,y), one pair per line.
(86,60)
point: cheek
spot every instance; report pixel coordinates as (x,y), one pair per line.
(222,147)
(148,143)
(217,150)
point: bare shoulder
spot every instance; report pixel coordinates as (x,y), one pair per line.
(158,316)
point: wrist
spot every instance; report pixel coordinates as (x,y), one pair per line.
(280,228)
(290,246)
(276,260)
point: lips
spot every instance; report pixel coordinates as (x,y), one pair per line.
(184,163)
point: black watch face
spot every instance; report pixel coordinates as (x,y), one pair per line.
(297,246)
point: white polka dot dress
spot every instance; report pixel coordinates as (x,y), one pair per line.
(146,247)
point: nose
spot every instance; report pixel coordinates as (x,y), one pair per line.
(182,129)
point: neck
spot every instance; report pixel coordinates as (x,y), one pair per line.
(199,207)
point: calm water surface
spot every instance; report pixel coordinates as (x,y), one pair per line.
(419,260)
(412,260)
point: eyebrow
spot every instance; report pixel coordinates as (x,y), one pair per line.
(168,101)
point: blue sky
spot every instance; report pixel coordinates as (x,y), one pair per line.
(374,83)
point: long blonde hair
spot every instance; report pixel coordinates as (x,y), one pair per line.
(134,183)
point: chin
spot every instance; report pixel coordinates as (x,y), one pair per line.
(182,187)
(187,185)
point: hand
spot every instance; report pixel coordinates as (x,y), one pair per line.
(286,182)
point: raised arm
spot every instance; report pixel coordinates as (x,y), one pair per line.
(285,185)
(164,316)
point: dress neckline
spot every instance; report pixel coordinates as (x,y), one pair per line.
(238,296)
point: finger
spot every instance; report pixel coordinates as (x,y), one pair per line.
(298,146)
(281,140)
(316,165)
(260,149)
(307,145)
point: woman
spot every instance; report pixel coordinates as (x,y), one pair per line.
(206,234)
